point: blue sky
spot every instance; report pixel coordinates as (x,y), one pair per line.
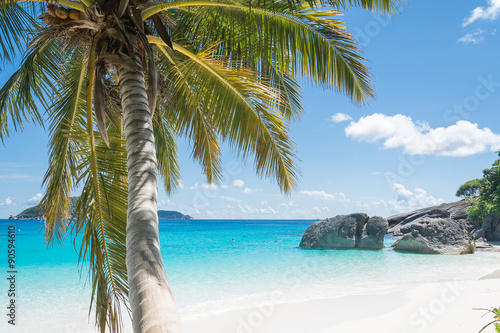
(432,126)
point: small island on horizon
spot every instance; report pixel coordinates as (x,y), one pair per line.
(35,213)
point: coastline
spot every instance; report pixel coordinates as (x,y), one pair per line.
(430,308)
(259,284)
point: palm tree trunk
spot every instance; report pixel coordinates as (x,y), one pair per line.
(151,301)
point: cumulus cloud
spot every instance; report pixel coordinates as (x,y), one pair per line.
(403,193)
(238,183)
(322,195)
(411,200)
(7,201)
(461,139)
(340,117)
(473,38)
(481,13)
(35,199)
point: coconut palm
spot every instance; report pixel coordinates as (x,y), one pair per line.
(120,80)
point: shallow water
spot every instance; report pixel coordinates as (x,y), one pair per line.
(215,266)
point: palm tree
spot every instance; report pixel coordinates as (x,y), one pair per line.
(119,80)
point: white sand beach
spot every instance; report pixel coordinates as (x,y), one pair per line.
(427,308)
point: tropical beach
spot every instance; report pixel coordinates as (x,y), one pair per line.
(249,166)
(435,307)
(218,287)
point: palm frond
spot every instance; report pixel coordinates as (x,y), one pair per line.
(30,87)
(65,114)
(80,157)
(243,111)
(298,41)
(101,217)
(166,152)
(377,6)
(101,212)
(16,24)
(190,120)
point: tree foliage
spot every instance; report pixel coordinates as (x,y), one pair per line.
(469,189)
(483,194)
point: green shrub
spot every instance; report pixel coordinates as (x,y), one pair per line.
(483,194)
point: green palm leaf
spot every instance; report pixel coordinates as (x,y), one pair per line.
(294,39)
(16,24)
(166,152)
(30,84)
(65,115)
(376,6)
(189,119)
(244,112)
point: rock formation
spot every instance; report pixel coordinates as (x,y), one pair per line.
(435,235)
(346,232)
(490,230)
(456,211)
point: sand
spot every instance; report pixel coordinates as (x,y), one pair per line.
(427,308)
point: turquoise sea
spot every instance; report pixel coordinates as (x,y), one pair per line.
(215,266)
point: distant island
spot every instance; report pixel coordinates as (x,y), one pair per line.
(172,215)
(35,213)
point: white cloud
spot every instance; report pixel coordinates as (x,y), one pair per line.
(482,13)
(289,204)
(403,193)
(238,183)
(408,201)
(248,209)
(7,202)
(209,186)
(204,186)
(320,210)
(399,131)
(322,195)
(180,184)
(35,199)
(472,38)
(319,195)
(340,117)
(250,190)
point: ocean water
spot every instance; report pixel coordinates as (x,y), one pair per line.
(215,266)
